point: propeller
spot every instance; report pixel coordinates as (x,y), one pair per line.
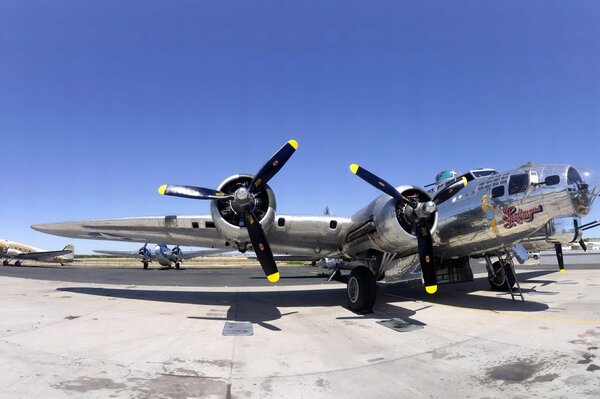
(559,256)
(419,213)
(176,252)
(243,200)
(143,251)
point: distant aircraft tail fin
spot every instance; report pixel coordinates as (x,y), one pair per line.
(71,248)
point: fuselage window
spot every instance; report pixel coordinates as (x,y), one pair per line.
(498,192)
(281,222)
(195,225)
(333,224)
(518,183)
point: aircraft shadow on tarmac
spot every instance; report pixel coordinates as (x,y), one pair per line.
(263,306)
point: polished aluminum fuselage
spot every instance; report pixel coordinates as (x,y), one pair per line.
(466,228)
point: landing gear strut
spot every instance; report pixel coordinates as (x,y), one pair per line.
(176,265)
(145,264)
(361,290)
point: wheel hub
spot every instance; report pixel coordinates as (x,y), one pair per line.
(353,289)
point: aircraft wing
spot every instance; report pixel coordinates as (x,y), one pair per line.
(300,235)
(288,258)
(43,255)
(196,231)
(205,252)
(129,254)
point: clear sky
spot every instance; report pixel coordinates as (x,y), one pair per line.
(103,101)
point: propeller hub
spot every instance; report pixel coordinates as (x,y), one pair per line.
(242,194)
(429,207)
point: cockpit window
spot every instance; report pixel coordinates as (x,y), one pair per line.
(482,173)
(573,176)
(518,183)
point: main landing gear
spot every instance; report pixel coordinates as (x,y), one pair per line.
(503,278)
(177,264)
(145,264)
(361,290)
(5,263)
(18,263)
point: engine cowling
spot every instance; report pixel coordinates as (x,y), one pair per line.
(227,217)
(387,225)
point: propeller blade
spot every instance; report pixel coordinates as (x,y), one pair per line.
(191,192)
(450,191)
(273,165)
(380,184)
(590,225)
(559,257)
(261,246)
(425,244)
(583,246)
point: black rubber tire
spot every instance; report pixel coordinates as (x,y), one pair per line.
(361,290)
(145,265)
(504,279)
(177,265)
(5,263)
(536,257)
(17,263)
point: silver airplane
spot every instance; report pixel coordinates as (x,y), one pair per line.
(405,233)
(11,250)
(162,254)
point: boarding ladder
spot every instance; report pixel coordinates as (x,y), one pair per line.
(516,292)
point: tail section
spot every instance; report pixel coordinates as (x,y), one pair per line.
(70,256)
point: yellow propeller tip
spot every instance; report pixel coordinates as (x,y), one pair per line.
(464,180)
(273,278)
(562,270)
(431,289)
(162,189)
(354,168)
(294,144)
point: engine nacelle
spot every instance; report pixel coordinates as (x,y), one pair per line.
(383,225)
(227,218)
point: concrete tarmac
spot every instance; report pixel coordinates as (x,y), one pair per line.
(71,332)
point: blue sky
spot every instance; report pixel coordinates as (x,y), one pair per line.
(102,102)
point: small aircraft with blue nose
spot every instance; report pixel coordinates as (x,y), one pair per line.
(406,233)
(162,254)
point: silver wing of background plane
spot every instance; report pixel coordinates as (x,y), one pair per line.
(129,254)
(46,255)
(205,252)
(313,236)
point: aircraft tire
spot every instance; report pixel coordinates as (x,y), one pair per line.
(145,265)
(177,265)
(5,263)
(17,263)
(504,277)
(361,290)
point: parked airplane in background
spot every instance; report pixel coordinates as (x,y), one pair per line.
(10,250)
(406,233)
(162,254)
